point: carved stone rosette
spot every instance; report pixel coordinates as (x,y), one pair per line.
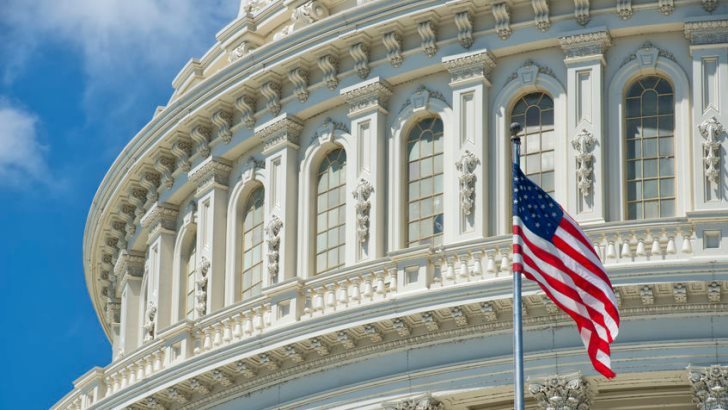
(584,143)
(570,392)
(426,402)
(711,130)
(273,231)
(201,286)
(466,166)
(361,195)
(710,385)
(149,324)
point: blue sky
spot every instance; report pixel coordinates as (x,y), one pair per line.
(78,78)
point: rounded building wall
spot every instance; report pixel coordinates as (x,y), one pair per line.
(320,217)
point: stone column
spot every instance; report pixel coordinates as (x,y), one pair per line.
(368,119)
(280,147)
(709,50)
(211,178)
(710,386)
(129,268)
(466,214)
(161,222)
(569,392)
(584,155)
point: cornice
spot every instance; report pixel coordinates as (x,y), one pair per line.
(160,217)
(367,95)
(210,172)
(476,65)
(283,130)
(585,44)
(706,32)
(129,264)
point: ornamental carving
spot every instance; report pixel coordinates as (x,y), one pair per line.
(502,15)
(361,194)
(273,232)
(710,5)
(420,99)
(466,166)
(710,386)
(271,90)
(528,72)
(360,54)
(373,93)
(711,130)
(470,66)
(584,143)
(647,56)
(182,151)
(393,43)
(149,321)
(201,136)
(570,392)
(326,131)
(329,65)
(666,7)
(299,78)
(426,402)
(241,50)
(223,120)
(541,14)
(464,23)
(164,164)
(309,13)
(585,44)
(581,12)
(707,32)
(624,9)
(246,105)
(201,286)
(428,34)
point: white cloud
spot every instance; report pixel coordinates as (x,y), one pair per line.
(22,157)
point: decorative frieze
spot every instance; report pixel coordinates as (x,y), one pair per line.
(647,295)
(584,143)
(279,131)
(240,51)
(329,65)
(375,335)
(470,66)
(345,340)
(707,32)
(569,392)
(245,369)
(401,327)
(711,130)
(201,136)
(428,34)
(624,9)
(458,314)
(392,41)
(223,120)
(466,167)
(426,402)
(271,91)
(267,361)
(487,309)
(680,293)
(177,396)
(246,105)
(431,322)
(502,16)
(273,233)
(153,403)
(294,354)
(309,13)
(359,51)
(714,292)
(299,78)
(213,171)
(541,14)
(319,346)
(464,23)
(221,378)
(199,387)
(585,44)
(165,164)
(361,195)
(581,12)
(370,94)
(710,386)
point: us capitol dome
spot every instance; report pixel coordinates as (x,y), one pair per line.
(320,216)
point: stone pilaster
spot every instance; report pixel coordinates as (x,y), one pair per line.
(586,181)
(467,214)
(129,268)
(367,111)
(280,147)
(569,392)
(211,178)
(710,386)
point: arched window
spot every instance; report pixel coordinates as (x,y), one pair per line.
(190,268)
(253,245)
(424,176)
(535,112)
(650,127)
(331,212)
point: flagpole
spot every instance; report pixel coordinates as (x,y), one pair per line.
(517,324)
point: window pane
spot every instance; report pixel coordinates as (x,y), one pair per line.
(649,148)
(667,188)
(650,168)
(652,209)
(666,167)
(331,212)
(667,208)
(650,188)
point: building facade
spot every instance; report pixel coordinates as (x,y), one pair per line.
(320,217)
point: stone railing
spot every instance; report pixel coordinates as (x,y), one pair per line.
(621,245)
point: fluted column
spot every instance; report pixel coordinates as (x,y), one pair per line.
(161,222)
(710,387)
(708,46)
(583,152)
(368,113)
(211,178)
(280,147)
(129,268)
(569,392)
(467,213)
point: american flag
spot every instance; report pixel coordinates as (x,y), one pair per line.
(551,249)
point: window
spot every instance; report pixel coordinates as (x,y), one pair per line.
(650,157)
(535,112)
(331,211)
(190,269)
(424,176)
(253,245)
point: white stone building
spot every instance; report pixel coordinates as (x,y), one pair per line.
(319,218)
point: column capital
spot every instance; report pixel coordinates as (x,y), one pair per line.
(160,218)
(710,385)
(468,67)
(426,402)
(367,96)
(584,46)
(707,32)
(281,131)
(211,172)
(569,392)
(129,264)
